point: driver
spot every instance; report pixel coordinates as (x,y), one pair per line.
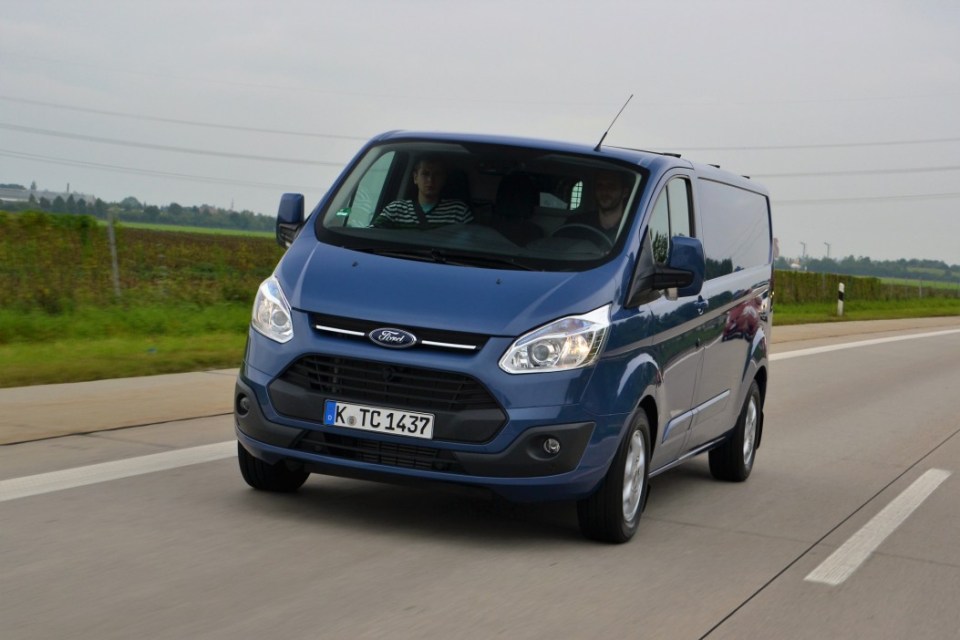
(428,209)
(611,189)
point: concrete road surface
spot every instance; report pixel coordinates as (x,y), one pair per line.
(848,527)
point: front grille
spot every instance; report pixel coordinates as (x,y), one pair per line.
(355,329)
(407,456)
(388,385)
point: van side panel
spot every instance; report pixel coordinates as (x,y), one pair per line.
(735,227)
(654,347)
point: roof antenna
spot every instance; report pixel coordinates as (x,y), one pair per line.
(604,136)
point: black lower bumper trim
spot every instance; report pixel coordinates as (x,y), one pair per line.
(527,458)
(524,458)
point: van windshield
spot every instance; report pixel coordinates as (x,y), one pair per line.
(487,205)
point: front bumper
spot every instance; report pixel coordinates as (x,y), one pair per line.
(517,468)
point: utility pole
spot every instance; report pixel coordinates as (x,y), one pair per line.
(803,256)
(828,249)
(113,255)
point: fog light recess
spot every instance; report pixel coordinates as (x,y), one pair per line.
(551,446)
(243,405)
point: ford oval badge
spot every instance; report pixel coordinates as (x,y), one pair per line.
(393,338)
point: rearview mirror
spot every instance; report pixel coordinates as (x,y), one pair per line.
(289,218)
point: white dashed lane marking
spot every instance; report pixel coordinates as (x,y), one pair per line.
(94,473)
(854,552)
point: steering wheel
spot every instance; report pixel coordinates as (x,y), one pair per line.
(584,232)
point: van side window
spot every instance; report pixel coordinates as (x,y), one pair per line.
(576,195)
(671,217)
(736,228)
(678,191)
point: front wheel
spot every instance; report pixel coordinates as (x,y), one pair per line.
(269,477)
(733,460)
(612,513)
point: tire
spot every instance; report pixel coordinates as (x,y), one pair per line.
(266,477)
(733,460)
(612,513)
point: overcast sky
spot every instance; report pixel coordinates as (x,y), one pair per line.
(848,111)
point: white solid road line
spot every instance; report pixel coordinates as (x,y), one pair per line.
(844,561)
(799,353)
(81,476)
(92,474)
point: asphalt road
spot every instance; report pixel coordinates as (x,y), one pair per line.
(848,528)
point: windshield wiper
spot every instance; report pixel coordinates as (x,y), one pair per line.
(452,258)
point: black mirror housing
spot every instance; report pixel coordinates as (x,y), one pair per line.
(289,218)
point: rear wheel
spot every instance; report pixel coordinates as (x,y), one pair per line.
(269,477)
(733,461)
(612,513)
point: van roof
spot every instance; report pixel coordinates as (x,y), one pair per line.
(654,161)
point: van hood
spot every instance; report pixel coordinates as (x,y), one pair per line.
(395,291)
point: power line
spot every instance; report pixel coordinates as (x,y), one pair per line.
(144,145)
(150,172)
(192,123)
(860,172)
(275,186)
(916,196)
(829,145)
(160,147)
(313,134)
(269,185)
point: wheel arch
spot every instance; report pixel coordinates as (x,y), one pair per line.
(761,379)
(649,406)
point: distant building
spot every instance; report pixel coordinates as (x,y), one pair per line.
(23,195)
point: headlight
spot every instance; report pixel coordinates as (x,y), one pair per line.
(271,312)
(568,343)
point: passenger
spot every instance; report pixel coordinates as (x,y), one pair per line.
(428,209)
(611,189)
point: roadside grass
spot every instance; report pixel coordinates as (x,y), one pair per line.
(92,343)
(92,323)
(785,314)
(76,360)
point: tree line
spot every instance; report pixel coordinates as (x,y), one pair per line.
(132,210)
(932,270)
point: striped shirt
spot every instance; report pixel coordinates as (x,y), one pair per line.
(403,214)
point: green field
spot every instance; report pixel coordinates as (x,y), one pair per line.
(921,285)
(208,230)
(186,296)
(184,303)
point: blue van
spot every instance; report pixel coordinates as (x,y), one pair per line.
(547,321)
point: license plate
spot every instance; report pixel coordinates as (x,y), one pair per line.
(378,419)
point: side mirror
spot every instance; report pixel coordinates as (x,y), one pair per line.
(685,267)
(289,218)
